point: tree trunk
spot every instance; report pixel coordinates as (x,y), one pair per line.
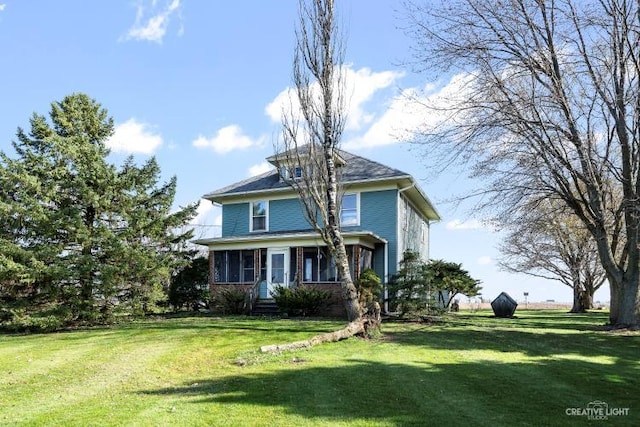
(588,299)
(354,328)
(625,302)
(349,291)
(578,300)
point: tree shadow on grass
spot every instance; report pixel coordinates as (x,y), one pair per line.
(531,342)
(540,319)
(415,393)
(236,323)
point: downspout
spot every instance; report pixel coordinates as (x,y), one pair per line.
(386,277)
(402,190)
(398,251)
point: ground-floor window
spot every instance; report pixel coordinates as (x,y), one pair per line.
(318,265)
(234,266)
(366,258)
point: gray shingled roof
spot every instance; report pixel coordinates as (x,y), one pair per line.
(357,169)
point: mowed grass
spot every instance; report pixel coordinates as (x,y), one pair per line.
(470,370)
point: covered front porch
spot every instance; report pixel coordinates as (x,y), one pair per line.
(257,264)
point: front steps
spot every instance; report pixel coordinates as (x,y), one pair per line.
(265,307)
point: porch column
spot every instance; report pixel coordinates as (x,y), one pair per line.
(356,262)
(212,269)
(257,265)
(299,264)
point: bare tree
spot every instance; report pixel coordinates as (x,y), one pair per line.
(548,106)
(312,130)
(549,242)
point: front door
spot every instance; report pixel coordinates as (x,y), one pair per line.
(277,269)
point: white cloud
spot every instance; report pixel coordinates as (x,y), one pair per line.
(260,168)
(485,260)
(152,25)
(205,207)
(134,137)
(227,139)
(408,112)
(383,123)
(208,220)
(401,116)
(2,6)
(472,224)
(361,86)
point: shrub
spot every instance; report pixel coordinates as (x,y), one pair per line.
(409,288)
(301,301)
(231,301)
(19,320)
(369,287)
(190,286)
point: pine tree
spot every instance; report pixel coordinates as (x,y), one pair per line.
(409,287)
(81,238)
(449,279)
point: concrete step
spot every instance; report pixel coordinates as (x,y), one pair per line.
(265,308)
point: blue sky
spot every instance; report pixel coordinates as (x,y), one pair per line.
(198,84)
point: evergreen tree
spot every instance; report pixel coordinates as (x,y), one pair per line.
(449,279)
(190,287)
(421,285)
(409,287)
(79,236)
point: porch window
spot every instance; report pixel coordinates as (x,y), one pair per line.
(328,270)
(247,266)
(366,258)
(233,266)
(263,264)
(318,265)
(259,212)
(310,264)
(349,211)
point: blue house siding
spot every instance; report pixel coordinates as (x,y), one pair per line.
(379,214)
(378,262)
(286,215)
(235,219)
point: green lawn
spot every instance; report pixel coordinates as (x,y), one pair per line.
(471,370)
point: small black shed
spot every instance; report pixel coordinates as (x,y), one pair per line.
(504,305)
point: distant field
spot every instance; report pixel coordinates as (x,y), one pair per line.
(543,368)
(530,306)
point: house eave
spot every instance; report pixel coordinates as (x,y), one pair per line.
(220,197)
(415,193)
(362,237)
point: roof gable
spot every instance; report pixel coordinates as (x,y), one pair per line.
(356,169)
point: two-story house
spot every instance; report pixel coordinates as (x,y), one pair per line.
(267,241)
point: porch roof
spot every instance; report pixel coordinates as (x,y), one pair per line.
(295,238)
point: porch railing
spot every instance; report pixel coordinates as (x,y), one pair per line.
(252,296)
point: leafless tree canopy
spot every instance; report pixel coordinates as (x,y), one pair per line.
(548,106)
(312,129)
(314,121)
(549,242)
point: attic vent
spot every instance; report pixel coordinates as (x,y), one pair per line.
(284,174)
(287,174)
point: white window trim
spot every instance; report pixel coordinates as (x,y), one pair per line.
(266,217)
(357,224)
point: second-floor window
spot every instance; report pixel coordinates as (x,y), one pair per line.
(349,212)
(259,212)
